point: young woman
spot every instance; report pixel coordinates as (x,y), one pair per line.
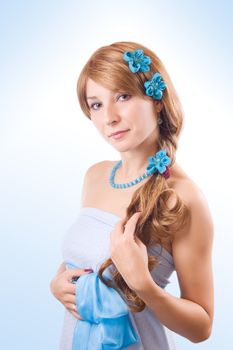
(141,217)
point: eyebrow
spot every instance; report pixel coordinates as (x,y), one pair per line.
(94,97)
(91,97)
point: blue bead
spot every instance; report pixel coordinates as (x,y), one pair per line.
(147,173)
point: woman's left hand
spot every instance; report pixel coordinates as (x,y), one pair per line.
(129,254)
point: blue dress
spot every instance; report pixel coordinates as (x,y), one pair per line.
(86,244)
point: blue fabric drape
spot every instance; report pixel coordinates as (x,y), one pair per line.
(105,323)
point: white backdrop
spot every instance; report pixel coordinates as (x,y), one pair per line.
(43,134)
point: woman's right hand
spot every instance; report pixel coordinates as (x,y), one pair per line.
(63,289)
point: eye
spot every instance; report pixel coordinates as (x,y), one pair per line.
(124,95)
(93,104)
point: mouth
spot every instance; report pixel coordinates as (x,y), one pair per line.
(119,135)
(118,132)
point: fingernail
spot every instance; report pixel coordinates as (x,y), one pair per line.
(88,270)
(74,279)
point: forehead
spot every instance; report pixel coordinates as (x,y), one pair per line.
(95,90)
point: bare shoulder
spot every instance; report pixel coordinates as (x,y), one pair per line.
(200,226)
(93,173)
(96,169)
(188,190)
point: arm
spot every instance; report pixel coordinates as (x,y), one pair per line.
(191,315)
(61,286)
(62,268)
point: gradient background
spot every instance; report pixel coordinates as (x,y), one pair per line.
(43,134)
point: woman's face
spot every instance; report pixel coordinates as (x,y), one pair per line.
(114,111)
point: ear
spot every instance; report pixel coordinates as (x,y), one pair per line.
(158,106)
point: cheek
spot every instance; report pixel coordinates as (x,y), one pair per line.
(100,127)
(97,123)
(144,116)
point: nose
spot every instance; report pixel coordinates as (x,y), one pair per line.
(110,114)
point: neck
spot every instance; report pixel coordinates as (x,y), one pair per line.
(134,163)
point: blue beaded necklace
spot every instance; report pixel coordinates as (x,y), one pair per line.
(128,184)
(159,163)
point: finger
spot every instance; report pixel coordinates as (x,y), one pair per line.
(140,243)
(119,227)
(72,273)
(77,272)
(75,314)
(131,225)
(115,235)
(72,309)
(69,298)
(70,288)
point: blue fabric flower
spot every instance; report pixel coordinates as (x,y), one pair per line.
(159,162)
(155,86)
(138,62)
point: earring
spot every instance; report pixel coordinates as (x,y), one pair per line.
(160,121)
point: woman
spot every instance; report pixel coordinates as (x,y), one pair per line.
(142,216)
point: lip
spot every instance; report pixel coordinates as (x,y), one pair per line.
(118,132)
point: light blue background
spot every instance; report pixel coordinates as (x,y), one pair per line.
(43,135)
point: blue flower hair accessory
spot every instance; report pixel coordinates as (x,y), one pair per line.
(155,86)
(138,62)
(159,163)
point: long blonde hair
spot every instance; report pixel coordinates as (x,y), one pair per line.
(159,221)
